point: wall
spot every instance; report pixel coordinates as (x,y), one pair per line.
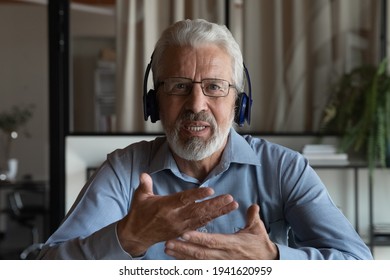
(90,33)
(388,33)
(24,73)
(24,80)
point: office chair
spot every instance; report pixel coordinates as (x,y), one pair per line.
(26,215)
(31,252)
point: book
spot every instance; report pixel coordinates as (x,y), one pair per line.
(319,156)
(382,229)
(324,154)
(319,149)
(328,162)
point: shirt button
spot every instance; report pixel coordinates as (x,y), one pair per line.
(202,229)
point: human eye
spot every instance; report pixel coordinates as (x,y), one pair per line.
(179,86)
(214,87)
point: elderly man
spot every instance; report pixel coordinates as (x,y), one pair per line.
(203,191)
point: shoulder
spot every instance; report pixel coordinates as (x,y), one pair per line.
(139,152)
(274,156)
(262,146)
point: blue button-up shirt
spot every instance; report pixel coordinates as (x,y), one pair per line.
(290,194)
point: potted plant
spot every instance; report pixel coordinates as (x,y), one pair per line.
(10,123)
(359,110)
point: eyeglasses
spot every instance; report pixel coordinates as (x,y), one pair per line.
(183,86)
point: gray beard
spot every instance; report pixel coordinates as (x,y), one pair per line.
(196,149)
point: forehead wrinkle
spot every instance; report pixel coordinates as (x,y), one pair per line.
(196,63)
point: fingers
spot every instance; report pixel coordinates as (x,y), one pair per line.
(253,218)
(255,224)
(154,218)
(189,196)
(199,214)
(193,208)
(199,246)
(145,187)
(145,184)
(253,213)
(252,242)
(214,241)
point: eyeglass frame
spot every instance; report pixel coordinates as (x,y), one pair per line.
(197,82)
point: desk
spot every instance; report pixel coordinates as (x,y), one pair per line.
(37,185)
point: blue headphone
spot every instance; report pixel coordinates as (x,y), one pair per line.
(243,103)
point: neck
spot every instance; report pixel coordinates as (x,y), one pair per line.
(199,169)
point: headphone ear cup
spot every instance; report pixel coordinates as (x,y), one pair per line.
(241,108)
(150,98)
(151,106)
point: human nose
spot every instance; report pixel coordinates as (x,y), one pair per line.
(196,100)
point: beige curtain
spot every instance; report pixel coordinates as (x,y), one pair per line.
(293,49)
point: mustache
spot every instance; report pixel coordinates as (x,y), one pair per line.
(201,116)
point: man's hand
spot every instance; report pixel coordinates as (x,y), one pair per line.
(252,242)
(154,218)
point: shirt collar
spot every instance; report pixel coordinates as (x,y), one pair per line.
(162,158)
(237,150)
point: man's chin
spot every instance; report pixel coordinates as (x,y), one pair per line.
(195,149)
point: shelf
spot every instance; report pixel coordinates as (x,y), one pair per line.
(381,240)
(381,234)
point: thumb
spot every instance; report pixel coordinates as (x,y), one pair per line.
(145,184)
(254,223)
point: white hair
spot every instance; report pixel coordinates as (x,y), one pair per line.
(196,33)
